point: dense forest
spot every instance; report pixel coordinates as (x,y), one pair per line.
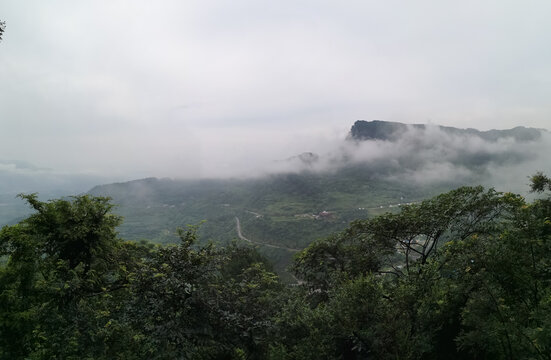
(464,275)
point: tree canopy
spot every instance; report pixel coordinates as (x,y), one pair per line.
(464,275)
(2,28)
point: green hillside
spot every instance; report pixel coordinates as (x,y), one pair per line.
(279,213)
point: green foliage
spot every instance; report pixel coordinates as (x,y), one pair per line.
(71,289)
(394,243)
(203,303)
(540,182)
(465,275)
(65,274)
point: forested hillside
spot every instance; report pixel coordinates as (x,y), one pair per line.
(278,213)
(460,276)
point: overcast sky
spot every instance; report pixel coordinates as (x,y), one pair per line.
(197,88)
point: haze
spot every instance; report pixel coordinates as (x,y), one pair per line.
(128,89)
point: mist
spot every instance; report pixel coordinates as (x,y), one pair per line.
(201,89)
(434,156)
(418,156)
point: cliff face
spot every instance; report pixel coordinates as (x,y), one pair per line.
(391,131)
(377,130)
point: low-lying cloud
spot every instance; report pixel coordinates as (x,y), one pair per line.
(419,156)
(432,155)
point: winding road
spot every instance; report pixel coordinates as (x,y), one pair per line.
(240,235)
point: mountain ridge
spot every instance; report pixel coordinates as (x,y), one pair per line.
(390,131)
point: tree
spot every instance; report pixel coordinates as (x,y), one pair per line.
(540,182)
(399,243)
(64,276)
(203,302)
(2,28)
(463,275)
(71,289)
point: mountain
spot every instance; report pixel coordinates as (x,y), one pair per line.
(422,153)
(391,131)
(306,158)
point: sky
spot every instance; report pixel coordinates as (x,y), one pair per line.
(208,88)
